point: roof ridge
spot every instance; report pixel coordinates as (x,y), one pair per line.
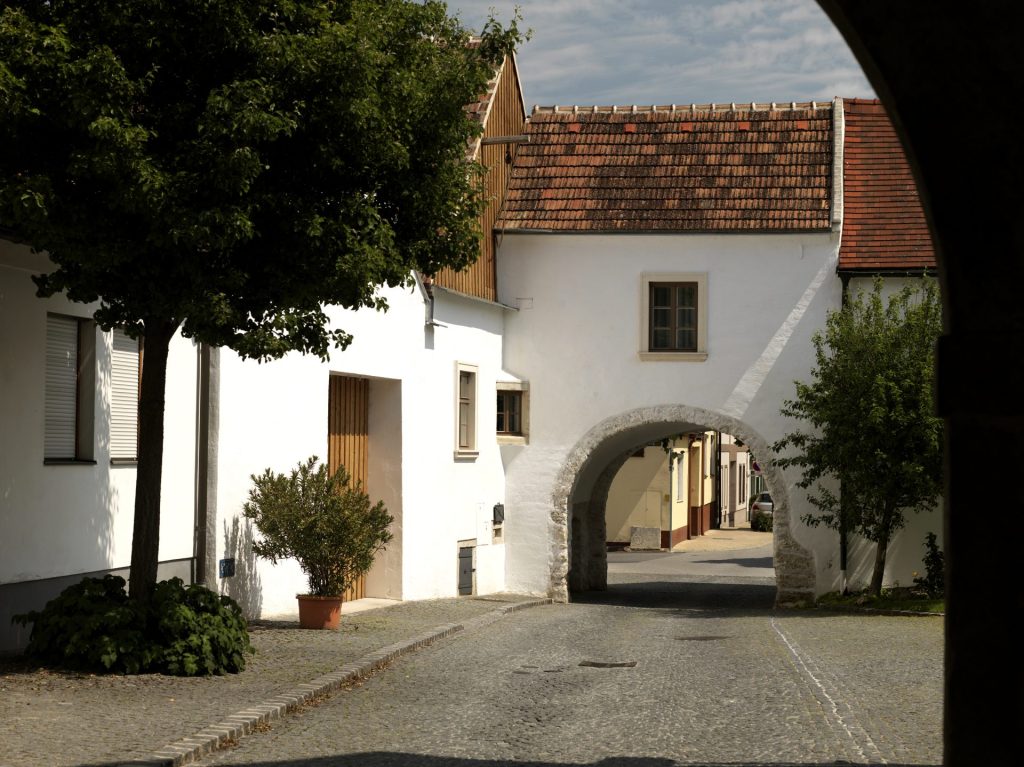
(753,106)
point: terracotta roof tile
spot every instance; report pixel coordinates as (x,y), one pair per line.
(660,169)
(884,227)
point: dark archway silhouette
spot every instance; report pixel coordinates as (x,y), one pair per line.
(945,72)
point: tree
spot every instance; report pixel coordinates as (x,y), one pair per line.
(873,431)
(226,168)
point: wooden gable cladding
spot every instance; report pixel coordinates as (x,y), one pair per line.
(502,114)
(700,169)
(348,428)
(884,227)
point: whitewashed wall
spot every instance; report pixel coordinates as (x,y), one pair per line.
(61,520)
(275,414)
(577,335)
(906,551)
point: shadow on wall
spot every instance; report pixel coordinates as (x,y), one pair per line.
(60,522)
(244,586)
(94,526)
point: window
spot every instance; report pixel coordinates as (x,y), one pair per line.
(674,317)
(70,389)
(673,326)
(510,412)
(465,408)
(513,413)
(125,368)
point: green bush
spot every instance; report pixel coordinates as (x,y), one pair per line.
(933,583)
(182,630)
(761,522)
(322,520)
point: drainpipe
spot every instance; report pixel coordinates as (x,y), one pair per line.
(844,512)
(204,568)
(718,480)
(671,467)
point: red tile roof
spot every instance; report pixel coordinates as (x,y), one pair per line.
(699,169)
(884,226)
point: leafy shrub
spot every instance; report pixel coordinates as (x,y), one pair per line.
(203,632)
(182,630)
(322,520)
(934,581)
(761,522)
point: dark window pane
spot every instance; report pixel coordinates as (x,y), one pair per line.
(672,318)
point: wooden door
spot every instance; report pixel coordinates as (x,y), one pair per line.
(348,420)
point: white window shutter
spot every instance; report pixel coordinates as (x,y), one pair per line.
(61,387)
(124,396)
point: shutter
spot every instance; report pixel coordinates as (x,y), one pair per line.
(61,387)
(124,396)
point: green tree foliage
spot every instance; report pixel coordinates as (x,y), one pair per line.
(228,167)
(872,446)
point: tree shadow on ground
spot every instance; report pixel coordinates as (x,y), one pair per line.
(397,759)
(680,593)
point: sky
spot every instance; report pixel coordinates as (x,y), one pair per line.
(626,52)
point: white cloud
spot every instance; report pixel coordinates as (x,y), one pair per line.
(664,51)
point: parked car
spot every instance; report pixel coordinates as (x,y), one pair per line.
(761,503)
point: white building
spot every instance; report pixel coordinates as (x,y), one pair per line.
(655,273)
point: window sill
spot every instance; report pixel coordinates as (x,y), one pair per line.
(466,455)
(124,461)
(512,439)
(673,356)
(67,462)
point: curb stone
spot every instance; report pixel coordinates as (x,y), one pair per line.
(249,720)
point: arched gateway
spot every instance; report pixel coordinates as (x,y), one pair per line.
(580,493)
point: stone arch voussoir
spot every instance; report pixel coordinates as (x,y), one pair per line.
(794,564)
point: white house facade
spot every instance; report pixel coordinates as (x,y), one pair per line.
(67,446)
(652,273)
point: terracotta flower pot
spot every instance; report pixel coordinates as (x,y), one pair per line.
(319,612)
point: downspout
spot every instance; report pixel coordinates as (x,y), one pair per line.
(718,480)
(671,465)
(844,513)
(838,167)
(204,568)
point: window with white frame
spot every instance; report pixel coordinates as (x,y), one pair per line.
(125,370)
(673,316)
(465,410)
(69,389)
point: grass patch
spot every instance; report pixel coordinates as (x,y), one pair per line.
(901,599)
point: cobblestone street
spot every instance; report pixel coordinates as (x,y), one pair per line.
(658,671)
(683,661)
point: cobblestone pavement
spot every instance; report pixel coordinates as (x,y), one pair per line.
(56,719)
(659,670)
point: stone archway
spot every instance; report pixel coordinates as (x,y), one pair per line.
(579,556)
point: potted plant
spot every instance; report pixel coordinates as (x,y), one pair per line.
(324,522)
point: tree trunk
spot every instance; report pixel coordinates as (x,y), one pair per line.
(881,548)
(149,473)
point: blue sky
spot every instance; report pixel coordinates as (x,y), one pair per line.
(676,51)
